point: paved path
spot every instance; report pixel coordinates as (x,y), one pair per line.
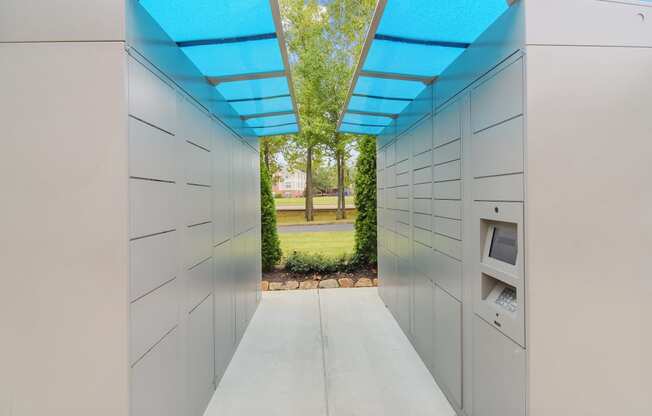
(314,228)
(334,352)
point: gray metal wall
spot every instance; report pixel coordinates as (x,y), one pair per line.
(131,224)
(519,129)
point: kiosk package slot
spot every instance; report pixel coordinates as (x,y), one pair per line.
(503,244)
(507,299)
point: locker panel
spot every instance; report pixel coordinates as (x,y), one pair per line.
(423,206)
(402,148)
(390,177)
(499,188)
(403,204)
(195,124)
(156,380)
(390,158)
(448,246)
(403,294)
(447,273)
(448,125)
(422,160)
(448,171)
(448,344)
(498,150)
(153,207)
(403,229)
(422,259)
(447,153)
(153,316)
(448,209)
(448,227)
(200,354)
(150,98)
(403,179)
(424,315)
(422,221)
(423,175)
(198,245)
(197,165)
(151,152)
(199,284)
(153,261)
(448,190)
(422,190)
(422,136)
(423,236)
(197,200)
(486,109)
(402,167)
(402,192)
(224,304)
(499,373)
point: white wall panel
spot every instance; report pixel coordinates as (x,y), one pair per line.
(150,98)
(152,152)
(154,260)
(199,283)
(153,207)
(197,202)
(198,243)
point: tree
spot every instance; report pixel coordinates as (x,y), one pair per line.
(365,251)
(324,38)
(270,147)
(271,246)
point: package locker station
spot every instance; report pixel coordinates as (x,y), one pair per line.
(514,221)
(130,247)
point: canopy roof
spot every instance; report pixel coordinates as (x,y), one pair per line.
(239,47)
(409,44)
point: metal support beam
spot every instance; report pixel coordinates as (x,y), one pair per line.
(424,42)
(244,77)
(278,23)
(276,113)
(403,77)
(269,97)
(274,125)
(362,125)
(223,41)
(380,97)
(373,28)
(370,113)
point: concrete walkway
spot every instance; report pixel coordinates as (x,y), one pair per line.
(334,352)
(315,228)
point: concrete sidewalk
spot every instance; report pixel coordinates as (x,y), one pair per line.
(334,352)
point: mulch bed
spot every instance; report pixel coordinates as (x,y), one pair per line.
(282,276)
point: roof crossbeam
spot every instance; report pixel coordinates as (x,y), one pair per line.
(423,42)
(269,97)
(380,97)
(272,114)
(216,80)
(224,41)
(403,77)
(372,113)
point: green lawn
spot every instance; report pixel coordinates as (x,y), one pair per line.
(319,200)
(328,243)
(321,217)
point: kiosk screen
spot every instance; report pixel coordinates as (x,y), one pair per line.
(504,245)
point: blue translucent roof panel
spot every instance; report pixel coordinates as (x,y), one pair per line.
(388,87)
(273,121)
(354,129)
(208,19)
(275,131)
(254,88)
(377,105)
(263,106)
(401,58)
(441,20)
(366,119)
(236,58)
(237,45)
(414,42)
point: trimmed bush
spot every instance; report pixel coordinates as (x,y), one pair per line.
(307,263)
(365,201)
(271,245)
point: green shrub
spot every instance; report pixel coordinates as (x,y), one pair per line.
(365,251)
(307,263)
(271,245)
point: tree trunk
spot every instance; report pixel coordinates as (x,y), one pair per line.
(341,202)
(309,212)
(266,156)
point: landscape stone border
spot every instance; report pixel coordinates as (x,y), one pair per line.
(344,282)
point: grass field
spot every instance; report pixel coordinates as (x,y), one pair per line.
(321,217)
(319,200)
(328,243)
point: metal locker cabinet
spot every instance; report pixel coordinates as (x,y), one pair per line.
(448,344)
(499,376)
